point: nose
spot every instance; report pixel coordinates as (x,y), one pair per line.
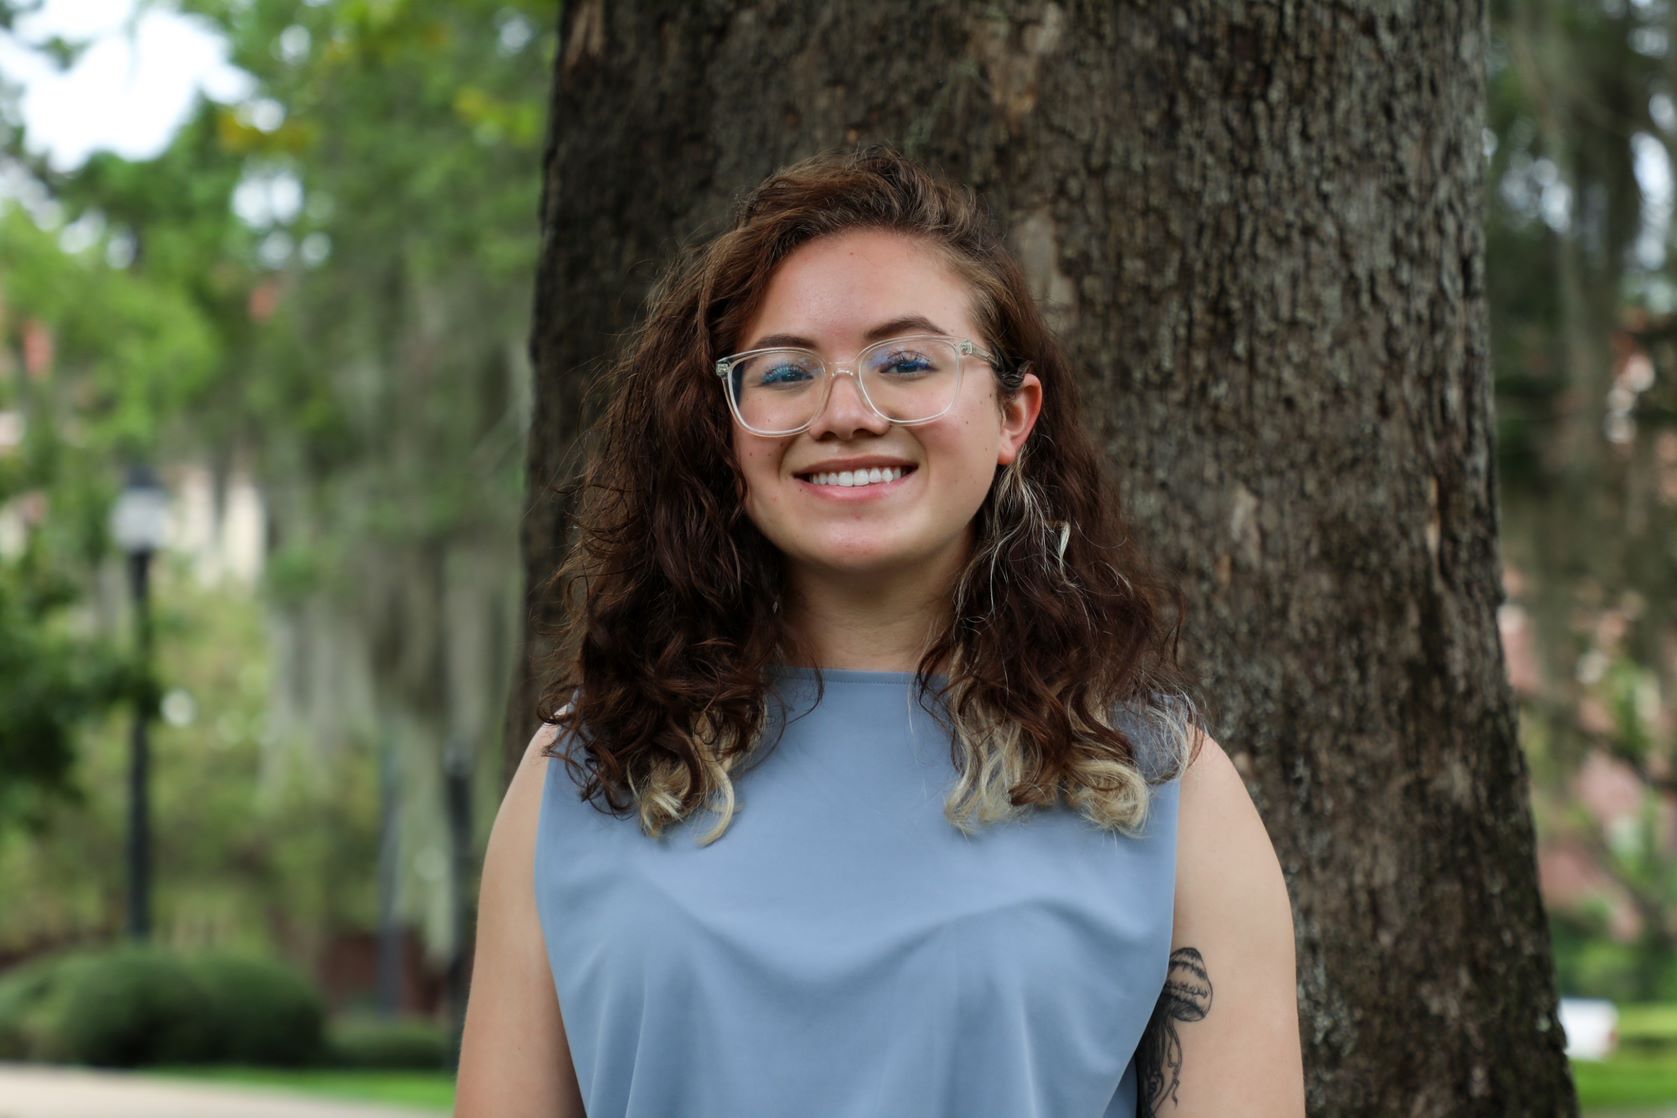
(846,411)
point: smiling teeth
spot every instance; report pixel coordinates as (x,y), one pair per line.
(858,477)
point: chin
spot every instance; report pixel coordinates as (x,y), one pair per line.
(855,561)
(855,564)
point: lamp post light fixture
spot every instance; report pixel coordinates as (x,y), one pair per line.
(139,524)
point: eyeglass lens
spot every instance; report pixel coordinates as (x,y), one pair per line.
(905,379)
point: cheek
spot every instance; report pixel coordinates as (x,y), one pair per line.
(758,470)
(973,448)
(972,443)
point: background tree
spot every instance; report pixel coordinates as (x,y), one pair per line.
(1579,216)
(324,285)
(93,362)
(1257,226)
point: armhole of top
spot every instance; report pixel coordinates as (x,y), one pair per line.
(544,808)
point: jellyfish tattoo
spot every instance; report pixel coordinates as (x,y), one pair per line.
(1186,996)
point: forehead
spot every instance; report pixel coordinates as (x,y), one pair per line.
(833,290)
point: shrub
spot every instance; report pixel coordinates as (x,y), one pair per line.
(134,1006)
(23,990)
(124,1008)
(265,1012)
(379,1043)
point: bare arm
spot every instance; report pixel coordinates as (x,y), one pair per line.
(514,1059)
(1224,1038)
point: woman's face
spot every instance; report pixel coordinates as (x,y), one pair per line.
(838,292)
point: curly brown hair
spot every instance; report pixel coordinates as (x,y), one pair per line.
(669,629)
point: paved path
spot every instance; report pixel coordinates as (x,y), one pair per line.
(35,1091)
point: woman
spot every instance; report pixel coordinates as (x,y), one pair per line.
(880,792)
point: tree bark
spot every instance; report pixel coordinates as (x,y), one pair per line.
(1256,224)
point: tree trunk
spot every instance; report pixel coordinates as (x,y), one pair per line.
(1257,226)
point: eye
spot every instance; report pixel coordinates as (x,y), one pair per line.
(780,369)
(905,362)
(782,374)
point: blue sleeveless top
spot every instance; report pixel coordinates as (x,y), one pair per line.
(842,950)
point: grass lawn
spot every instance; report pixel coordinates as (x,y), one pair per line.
(1648,1024)
(1626,1081)
(1642,1074)
(433,1089)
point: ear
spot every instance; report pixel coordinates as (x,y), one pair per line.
(1018,417)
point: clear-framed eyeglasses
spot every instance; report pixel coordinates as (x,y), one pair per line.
(907,380)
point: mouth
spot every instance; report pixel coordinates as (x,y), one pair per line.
(879,477)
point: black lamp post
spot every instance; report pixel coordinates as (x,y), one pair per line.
(139,523)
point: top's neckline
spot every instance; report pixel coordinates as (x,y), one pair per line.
(852,675)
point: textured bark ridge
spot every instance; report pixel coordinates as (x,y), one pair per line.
(1257,226)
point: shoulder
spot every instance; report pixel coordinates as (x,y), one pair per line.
(510,856)
(1231,896)
(1229,1005)
(513,1008)
(521,805)
(1226,863)
(530,778)
(536,752)
(1211,778)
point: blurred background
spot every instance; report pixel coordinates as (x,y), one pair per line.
(274,261)
(266,270)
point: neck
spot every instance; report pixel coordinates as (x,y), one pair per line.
(866,623)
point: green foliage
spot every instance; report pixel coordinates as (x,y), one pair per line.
(1580,292)
(1590,963)
(130,355)
(59,676)
(118,1009)
(25,995)
(137,1006)
(376,1042)
(130,1007)
(361,352)
(269,1013)
(56,681)
(257,847)
(113,361)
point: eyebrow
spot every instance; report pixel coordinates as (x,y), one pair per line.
(908,324)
